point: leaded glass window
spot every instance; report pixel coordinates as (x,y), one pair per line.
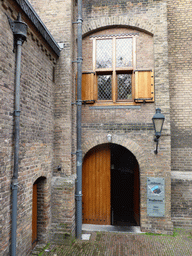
(124,50)
(104,87)
(104,54)
(114,65)
(124,86)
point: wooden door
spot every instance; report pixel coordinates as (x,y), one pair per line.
(34,216)
(96,186)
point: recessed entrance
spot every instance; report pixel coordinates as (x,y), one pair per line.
(39,211)
(111,186)
(34,216)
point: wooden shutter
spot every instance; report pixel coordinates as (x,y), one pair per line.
(144,86)
(88,87)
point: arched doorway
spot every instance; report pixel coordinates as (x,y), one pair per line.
(38,210)
(34,215)
(111,186)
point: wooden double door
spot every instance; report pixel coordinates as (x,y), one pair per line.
(109,192)
(96,186)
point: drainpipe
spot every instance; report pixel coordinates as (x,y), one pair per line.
(79,107)
(19,30)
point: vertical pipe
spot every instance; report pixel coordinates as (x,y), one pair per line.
(79,106)
(16,147)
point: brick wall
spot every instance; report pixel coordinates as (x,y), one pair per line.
(63,208)
(148,16)
(132,125)
(36,128)
(179,32)
(151,17)
(179,27)
(58,17)
(181,208)
(48,118)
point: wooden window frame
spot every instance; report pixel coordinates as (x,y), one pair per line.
(114,71)
(142,80)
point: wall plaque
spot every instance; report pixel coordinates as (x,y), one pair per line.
(155,197)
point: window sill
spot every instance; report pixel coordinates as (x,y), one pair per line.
(110,103)
(115,107)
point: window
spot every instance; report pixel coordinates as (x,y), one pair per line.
(113,64)
(111,76)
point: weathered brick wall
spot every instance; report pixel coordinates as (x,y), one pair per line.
(6,129)
(58,17)
(36,128)
(131,125)
(181,208)
(150,16)
(63,208)
(180,77)
(179,28)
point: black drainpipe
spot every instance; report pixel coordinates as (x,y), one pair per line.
(79,107)
(19,29)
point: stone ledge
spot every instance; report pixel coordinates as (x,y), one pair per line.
(60,181)
(181,175)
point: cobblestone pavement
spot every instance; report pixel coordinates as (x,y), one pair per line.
(107,243)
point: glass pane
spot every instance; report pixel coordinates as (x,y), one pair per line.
(104,54)
(158,124)
(124,50)
(104,87)
(124,86)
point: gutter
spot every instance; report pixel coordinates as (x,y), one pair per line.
(19,30)
(79,108)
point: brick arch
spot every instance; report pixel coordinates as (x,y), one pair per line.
(40,175)
(120,140)
(124,21)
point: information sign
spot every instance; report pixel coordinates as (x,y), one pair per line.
(155,197)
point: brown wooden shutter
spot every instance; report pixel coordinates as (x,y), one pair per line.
(144,86)
(88,80)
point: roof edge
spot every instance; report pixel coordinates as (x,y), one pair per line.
(40,26)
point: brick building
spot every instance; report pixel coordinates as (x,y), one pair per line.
(136,58)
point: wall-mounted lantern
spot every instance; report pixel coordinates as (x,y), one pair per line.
(158,120)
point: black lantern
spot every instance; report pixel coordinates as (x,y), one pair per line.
(158,120)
